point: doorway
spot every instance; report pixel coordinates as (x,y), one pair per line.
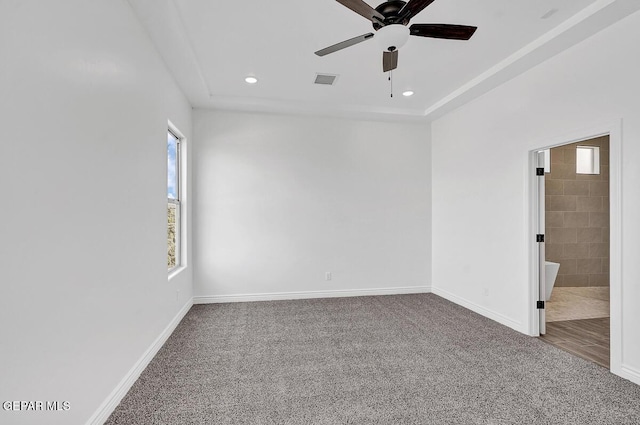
(574,253)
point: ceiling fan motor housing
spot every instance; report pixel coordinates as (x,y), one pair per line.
(390,10)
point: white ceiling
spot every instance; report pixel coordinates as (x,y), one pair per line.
(210,46)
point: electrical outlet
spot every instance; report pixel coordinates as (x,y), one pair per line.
(327,276)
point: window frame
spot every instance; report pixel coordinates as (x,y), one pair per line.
(179,201)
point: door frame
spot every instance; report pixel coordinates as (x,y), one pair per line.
(614,130)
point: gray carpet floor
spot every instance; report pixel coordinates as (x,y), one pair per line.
(401,359)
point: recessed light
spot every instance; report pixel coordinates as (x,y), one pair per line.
(251,80)
(407,93)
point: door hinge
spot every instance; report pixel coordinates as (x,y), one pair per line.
(540,171)
(539,238)
(540,304)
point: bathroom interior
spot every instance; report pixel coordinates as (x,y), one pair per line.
(577,239)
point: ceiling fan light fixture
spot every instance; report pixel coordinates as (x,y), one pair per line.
(392,37)
(407,93)
(251,80)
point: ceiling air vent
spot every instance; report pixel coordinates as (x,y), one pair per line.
(325,79)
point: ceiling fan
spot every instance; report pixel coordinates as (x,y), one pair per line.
(390,20)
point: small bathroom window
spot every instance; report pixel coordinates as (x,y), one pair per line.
(587,160)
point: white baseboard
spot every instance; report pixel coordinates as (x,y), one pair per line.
(633,375)
(274,296)
(108,406)
(500,318)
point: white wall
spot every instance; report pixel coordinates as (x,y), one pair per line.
(480,175)
(84,103)
(281,199)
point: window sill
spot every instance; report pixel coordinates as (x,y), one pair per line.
(176,271)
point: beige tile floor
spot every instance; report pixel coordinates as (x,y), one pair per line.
(573,303)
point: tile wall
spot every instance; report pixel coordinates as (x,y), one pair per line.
(577,217)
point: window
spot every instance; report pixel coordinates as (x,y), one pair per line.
(173,200)
(587,160)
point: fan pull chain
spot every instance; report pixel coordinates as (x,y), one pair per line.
(391,82)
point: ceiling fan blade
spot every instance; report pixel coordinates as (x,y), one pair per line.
(412,8)
(448,31)
(389,60)
(362,8)
(344,44)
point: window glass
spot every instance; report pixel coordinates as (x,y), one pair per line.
(172,166)
(171,235)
